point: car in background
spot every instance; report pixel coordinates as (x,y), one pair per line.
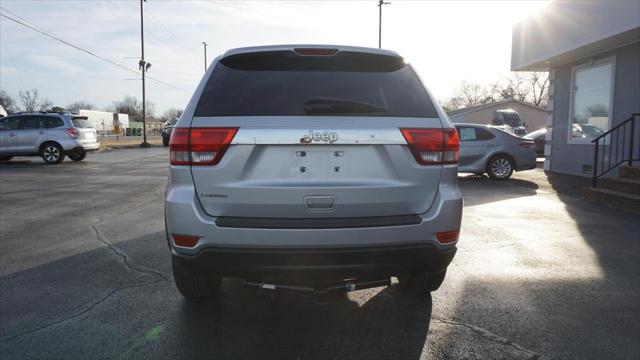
(47,134)
(3,112)
(509,120)
(166,131)
(484,149)
(338,181)
(538,138)
(585,131)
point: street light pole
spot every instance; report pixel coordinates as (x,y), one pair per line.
(143,67)
(380,3)
(205,56)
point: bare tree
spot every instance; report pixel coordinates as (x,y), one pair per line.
(171,114)
(469,94)
(129,105)
(7,102)
(76,106)
(530,87)
(132,106)
(539,82)
(29,100)
(46,105)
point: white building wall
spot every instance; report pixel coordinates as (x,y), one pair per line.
(103,121)
(565,27)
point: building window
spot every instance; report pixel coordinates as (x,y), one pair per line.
(591,101)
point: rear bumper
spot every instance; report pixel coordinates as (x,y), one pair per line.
(70,146)
(317,263)
(339,248)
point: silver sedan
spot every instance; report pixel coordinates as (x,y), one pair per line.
(496,152)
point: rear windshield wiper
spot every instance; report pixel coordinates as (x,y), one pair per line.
(326,105)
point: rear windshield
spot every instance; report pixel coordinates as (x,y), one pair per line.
(80,122)
(286,84)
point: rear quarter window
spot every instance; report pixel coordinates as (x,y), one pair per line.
(284,84)
(52,122)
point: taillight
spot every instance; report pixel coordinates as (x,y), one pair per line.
(527,144)
(72,132)
(185,240)
(433,146)
(447,237)
(199,146)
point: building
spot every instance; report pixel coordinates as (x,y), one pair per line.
(534,117)
(592,52)
(104,121)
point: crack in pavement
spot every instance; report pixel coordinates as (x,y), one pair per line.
(77,314)
(488,335)
(126,259)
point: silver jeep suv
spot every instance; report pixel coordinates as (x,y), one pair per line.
(312,168)
(47,134)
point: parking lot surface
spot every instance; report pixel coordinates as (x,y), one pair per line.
(85,273)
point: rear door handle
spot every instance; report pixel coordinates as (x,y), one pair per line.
(12,134)
(41,132)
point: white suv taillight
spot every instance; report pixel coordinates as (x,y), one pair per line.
(199,146)
(72,132)
(433,146)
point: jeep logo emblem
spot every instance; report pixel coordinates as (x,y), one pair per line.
(319,136)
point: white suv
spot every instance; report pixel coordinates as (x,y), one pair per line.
(49,135)
(312,168)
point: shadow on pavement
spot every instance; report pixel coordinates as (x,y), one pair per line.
(96,304)
(387,326)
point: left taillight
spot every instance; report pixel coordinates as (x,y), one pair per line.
(433,146)
(199,146)
(72,132)
(185,240)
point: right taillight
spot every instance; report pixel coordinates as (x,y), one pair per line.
(527,144)
(199,146)
(72,132)
(433,146)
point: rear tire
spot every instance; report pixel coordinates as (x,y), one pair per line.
(78,156)
(421,284)
(52,153)
(194,286)
(500,167)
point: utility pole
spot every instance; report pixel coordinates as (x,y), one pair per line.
(380,3)
(205,56)
(144,66)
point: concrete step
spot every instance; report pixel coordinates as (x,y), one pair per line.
(620,184)
(630,172)
(616,199)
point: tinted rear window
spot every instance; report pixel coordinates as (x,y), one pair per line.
(81,122)
(281,84)
(51,122)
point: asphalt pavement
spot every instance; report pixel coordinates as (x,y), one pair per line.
(85,273)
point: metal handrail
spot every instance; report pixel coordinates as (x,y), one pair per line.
(622,127)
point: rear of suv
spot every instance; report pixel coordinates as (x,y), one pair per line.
(312,168)
(49,135)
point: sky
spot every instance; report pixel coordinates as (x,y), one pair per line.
(446,42)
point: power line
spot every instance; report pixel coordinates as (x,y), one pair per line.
(158,39)
(48,34)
